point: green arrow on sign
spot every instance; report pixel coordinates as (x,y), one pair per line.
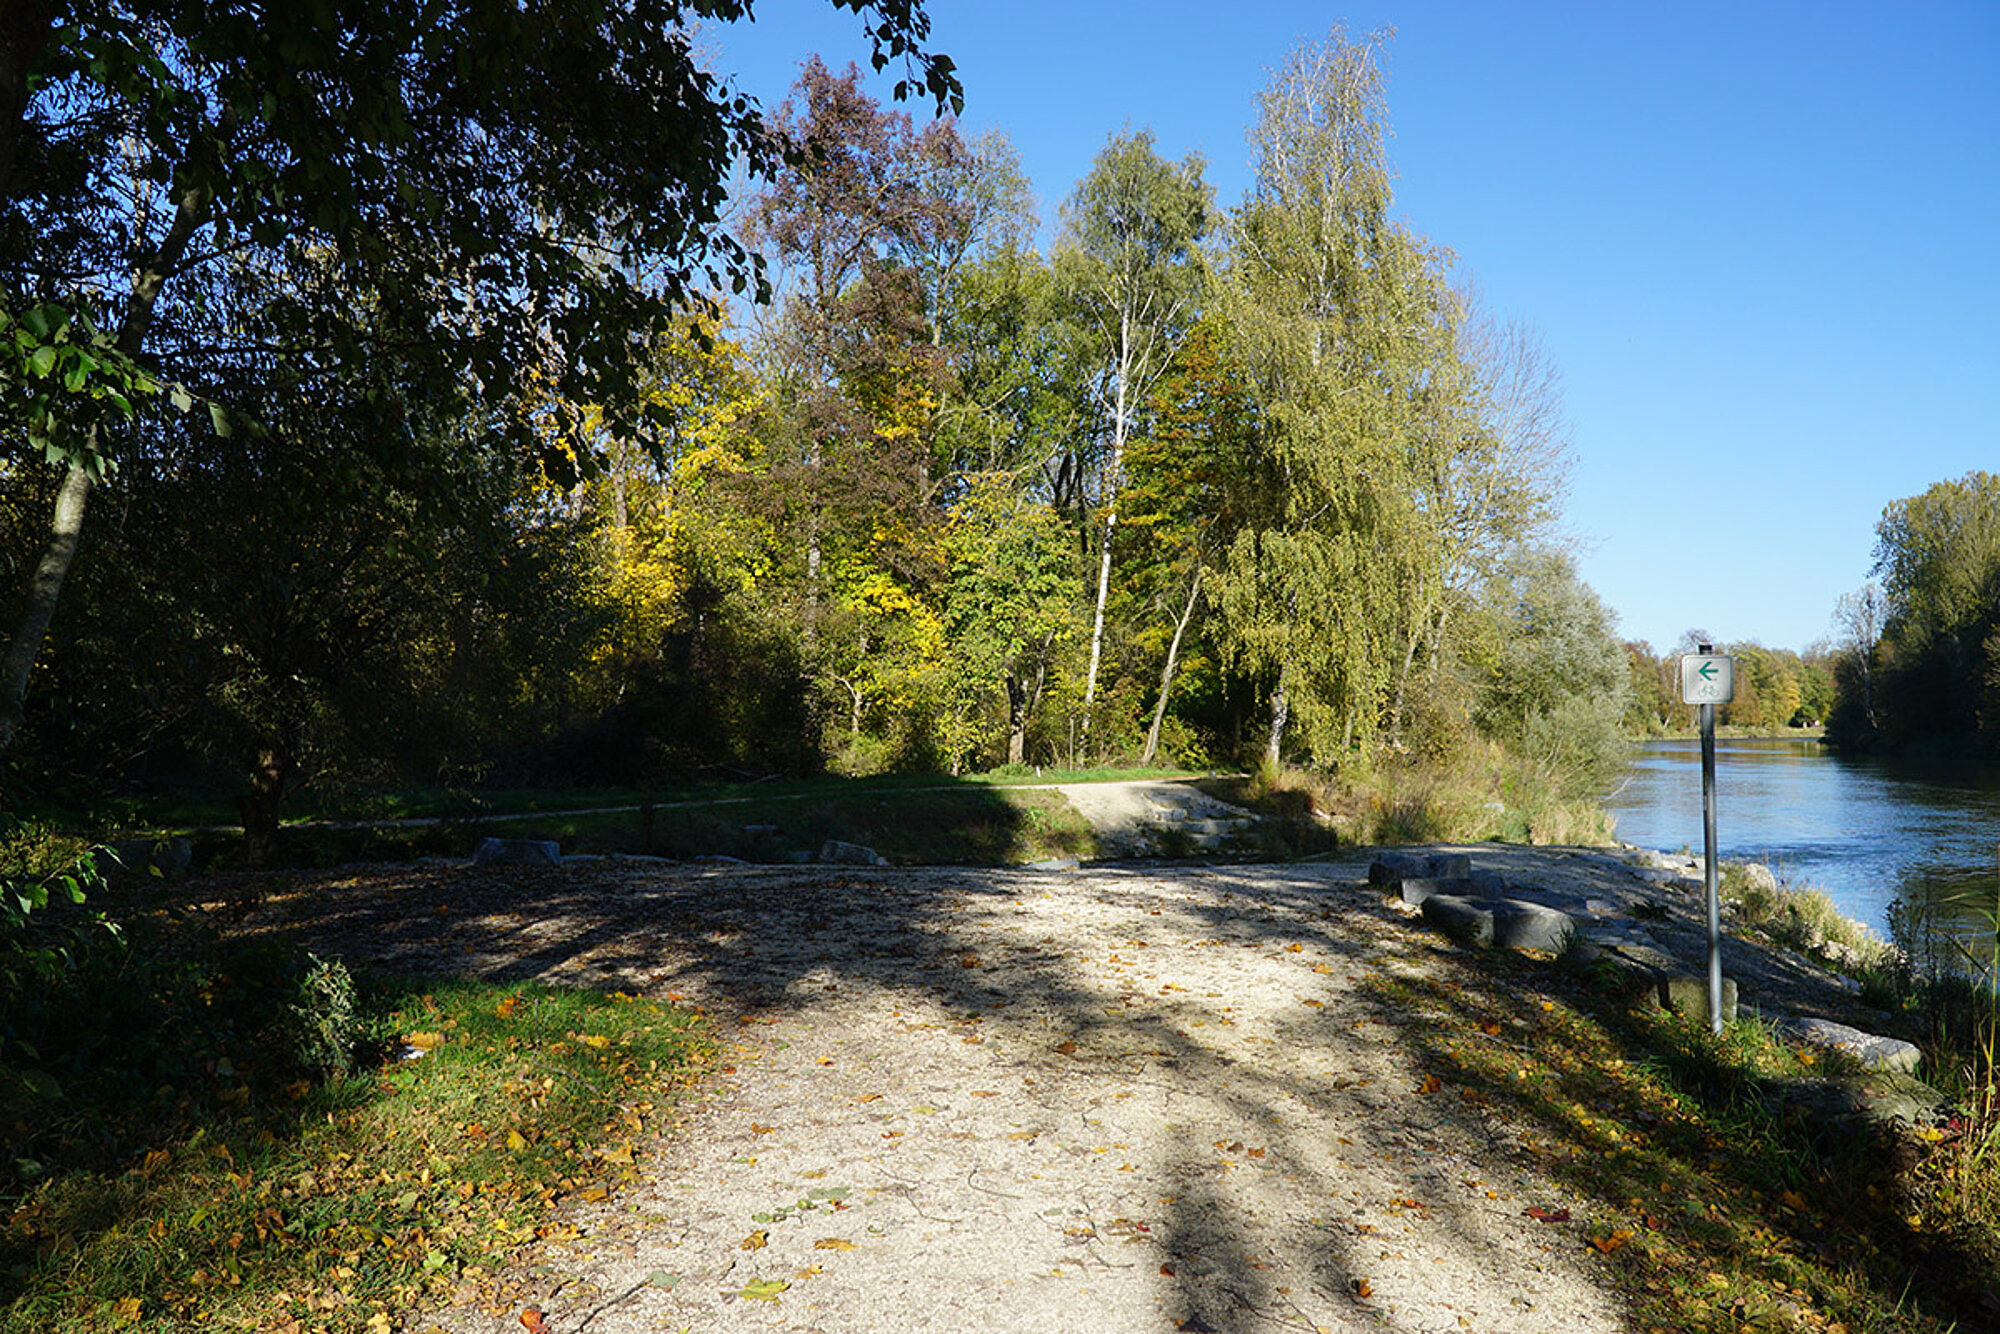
(1706,671)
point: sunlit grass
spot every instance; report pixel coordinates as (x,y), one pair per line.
(1716,1210)
(305,1208)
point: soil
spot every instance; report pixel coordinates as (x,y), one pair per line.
(1138,1098)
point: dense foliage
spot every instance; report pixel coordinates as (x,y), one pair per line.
(1919,652)
(492,482)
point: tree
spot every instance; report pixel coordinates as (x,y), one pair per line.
(1341,312)
(1010,590)
(1938,557)
(1130,257)
(470,184)
(1858,619)
(1562,690)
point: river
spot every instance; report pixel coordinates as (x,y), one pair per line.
(1865,830)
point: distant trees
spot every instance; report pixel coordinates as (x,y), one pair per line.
(1920,657)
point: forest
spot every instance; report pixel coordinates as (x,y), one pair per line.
(431,437)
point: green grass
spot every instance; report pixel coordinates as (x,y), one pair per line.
(246,1194)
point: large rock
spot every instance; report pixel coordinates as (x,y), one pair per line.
(1467,921)
(833,852)
(1758,876)
(1879,1100)
(1874,1051)
(517,852)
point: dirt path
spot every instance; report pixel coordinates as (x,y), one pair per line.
(961,1100)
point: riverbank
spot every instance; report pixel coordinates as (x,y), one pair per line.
(1145,1097)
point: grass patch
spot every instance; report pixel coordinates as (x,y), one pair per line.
(1801,918)
(208,1161)
(1712,1209)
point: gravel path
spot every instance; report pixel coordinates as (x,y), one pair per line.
(1104,1100)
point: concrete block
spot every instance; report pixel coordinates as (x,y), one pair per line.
(1683,993)
(1467,921)
(1519,925)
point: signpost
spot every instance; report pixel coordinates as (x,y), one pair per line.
(1709,679)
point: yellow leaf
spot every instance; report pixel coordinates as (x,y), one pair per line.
(593,1040)
(516,1141)
(763,1289)
(756,1241)
(126,1310)
(621,1156)
(833,1244)
(422,1041)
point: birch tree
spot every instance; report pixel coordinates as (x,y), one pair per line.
(1130,256)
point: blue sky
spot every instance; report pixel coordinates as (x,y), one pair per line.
(1762,241)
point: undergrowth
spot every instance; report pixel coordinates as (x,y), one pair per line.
(248,1137)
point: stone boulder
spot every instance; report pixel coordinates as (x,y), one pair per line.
(833,852)
(1872,1050)
(517,852)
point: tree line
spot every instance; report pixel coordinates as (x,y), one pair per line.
(441,419)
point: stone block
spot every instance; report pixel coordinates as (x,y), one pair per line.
(1416,889)
(833,852)
(1874,1051)
(1520,925)
(1390,868)
(1467,921)
(1684,993)
(517,852)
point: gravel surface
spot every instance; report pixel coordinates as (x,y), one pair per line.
(1113,1099)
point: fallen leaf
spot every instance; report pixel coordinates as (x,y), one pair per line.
(763,1289)
(1066,1047)
(516,1141)
(126,1310)
(833,1244)
(1167,1270)
(1611,1242)
(1360,1287)
(1541,1215)
(660,1278)
(533,1321)
(756,1241)
(1431,1084)
(594,1040)
(1490,1029)
(756,1129)
(505,1009)
(422,1041)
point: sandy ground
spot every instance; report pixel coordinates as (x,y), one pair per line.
(1139,1099)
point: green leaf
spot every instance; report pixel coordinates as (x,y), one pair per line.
(42,361)
(182,400)
(660,1278)
(220,419)
(763,1289)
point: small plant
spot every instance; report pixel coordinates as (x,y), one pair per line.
(324,1019)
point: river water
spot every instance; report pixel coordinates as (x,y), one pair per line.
(1865,830)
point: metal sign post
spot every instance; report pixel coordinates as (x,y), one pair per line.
(1707,680)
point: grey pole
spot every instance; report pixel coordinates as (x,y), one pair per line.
(1710,879)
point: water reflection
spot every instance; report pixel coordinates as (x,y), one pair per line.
(1860,828)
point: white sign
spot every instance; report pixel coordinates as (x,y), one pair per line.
(1708,678)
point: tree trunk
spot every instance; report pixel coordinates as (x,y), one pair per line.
(1017,719)
(270,775)
(1167,672)
(1402,683)
(1114,479)
(1281,709)
(67,528)
(57,557)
